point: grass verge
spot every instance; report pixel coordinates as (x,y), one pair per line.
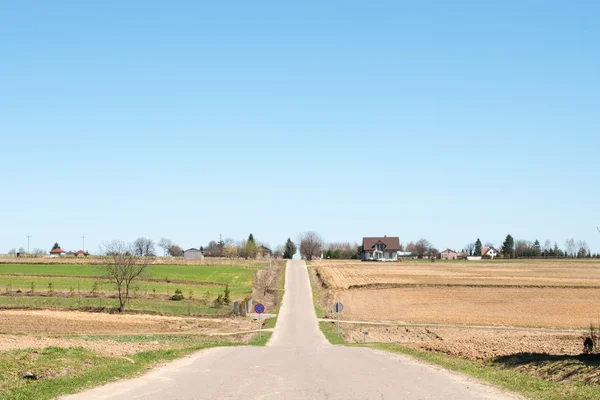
(54,371)
(271,322)
(510,379)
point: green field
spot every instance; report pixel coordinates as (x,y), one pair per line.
(72,286)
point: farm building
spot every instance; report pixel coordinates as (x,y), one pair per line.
(449,254)
(57,252)
(81,253)
(263,252)
(380,248)
(193,254)
(489,252)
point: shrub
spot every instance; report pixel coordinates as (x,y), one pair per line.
(218,302)
(178,295)
(227,295)
(191,294)
(94,291)
(50,289)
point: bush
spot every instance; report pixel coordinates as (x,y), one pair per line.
(178,295)
(227,295)
(218,302)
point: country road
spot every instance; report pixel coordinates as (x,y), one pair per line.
(297,363)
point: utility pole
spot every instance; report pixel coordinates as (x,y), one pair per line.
(28,237)
(83,242)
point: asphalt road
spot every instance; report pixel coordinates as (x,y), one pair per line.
(297,363)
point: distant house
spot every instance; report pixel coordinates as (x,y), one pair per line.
(489,252)
(380,248)
(193,254)
(57,252)
(263,252)
(80,253)
(449,254)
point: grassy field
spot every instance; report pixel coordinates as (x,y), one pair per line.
(56,285)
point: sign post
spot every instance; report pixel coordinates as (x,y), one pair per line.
(338,307)
(259,309)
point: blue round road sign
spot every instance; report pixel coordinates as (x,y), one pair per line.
(259,308)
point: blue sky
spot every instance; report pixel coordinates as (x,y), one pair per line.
(444,120)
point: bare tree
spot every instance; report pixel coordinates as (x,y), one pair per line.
(570,247)
(165,244)
(470,248)
(144,247)
(12,252)
(266,279)
(123,268)
(422,247)
(38,252)
(547,246)
(311,244)
(22,250)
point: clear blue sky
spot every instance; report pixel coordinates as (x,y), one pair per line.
(444,120)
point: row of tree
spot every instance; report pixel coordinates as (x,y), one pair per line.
(512,248)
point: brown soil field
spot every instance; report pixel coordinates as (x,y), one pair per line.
(106,347)
(471,343)
(75,322)
(348,275)
(528,307)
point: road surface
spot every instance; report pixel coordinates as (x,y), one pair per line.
(297,363)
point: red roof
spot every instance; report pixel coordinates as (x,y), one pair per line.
(58,250)
(80,252)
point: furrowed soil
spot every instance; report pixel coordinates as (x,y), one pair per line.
(530,307)
(75,322)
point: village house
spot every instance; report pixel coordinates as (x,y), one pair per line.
(57,252)
(380,248)
(489,252)
(80,253)
(263,252)
(449,254)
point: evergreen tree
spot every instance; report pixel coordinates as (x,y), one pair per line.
(227,295)
(251,239)
(290,249)
(478,247)
(508,246)
(56,246)
(537,247)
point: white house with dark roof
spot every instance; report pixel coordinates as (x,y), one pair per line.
(380,248)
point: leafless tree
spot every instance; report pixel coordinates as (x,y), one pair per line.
(165,244)
(422,247)
(124,266)
(278,252)
(22,250)
(266,279)
(570,247)
(547,246)
(311,245)
(470,248)
(12,252)
(38,252)
(144,247)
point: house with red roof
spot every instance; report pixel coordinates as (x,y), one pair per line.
(57,252)
(489,252)
(80,253)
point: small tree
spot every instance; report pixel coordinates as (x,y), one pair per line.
(477,250)
(227,295)
(124,267)
(56,246)
(290,249)
(508,246)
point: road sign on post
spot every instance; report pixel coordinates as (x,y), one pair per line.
(338,307)
(259,309)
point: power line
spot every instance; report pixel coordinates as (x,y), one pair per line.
(83,242)
(28,237)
